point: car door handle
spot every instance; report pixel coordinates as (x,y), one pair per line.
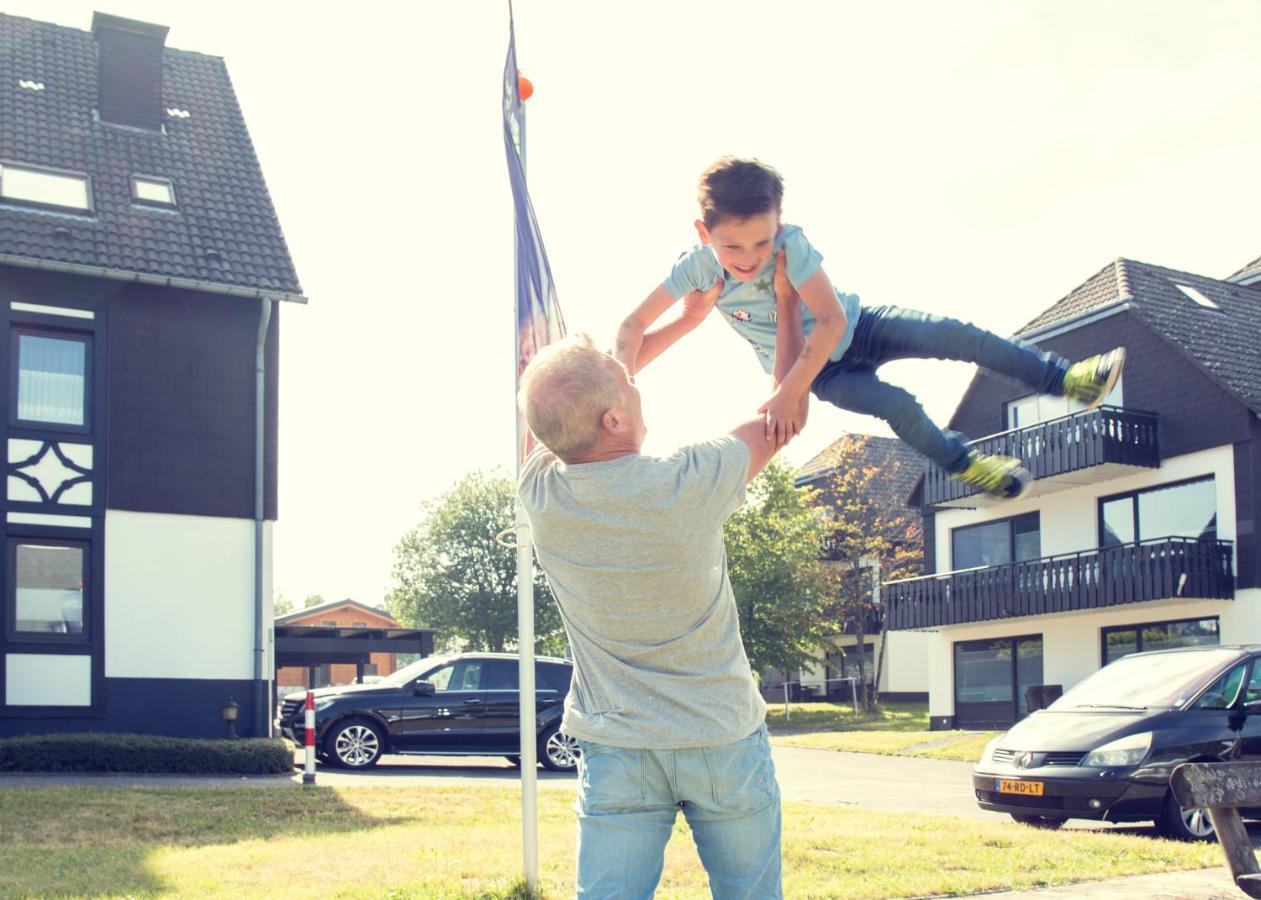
(472,702)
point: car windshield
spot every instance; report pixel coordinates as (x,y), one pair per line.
(1160,680)
(413,671)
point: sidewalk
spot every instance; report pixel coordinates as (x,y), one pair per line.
(1200,884)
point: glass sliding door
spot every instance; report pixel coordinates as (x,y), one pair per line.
(991,677)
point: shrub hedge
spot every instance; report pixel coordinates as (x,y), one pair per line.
(144,753)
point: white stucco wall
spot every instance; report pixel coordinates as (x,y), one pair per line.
(179,596)
(1069,518)
(1072,641)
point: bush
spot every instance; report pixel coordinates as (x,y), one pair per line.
(144,753)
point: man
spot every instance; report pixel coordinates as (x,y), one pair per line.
(663,702)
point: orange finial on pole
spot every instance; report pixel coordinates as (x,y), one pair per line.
(525,87)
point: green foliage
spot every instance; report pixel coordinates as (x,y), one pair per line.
(451,574)
(144,753)
(871,539)
(773,558)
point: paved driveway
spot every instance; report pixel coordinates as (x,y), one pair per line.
(893,783)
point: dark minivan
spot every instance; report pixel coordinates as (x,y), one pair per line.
(1107,748)
(464,704)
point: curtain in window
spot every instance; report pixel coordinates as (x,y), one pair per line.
(51,379)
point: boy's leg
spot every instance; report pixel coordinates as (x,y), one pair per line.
(886,333)
(731,802)
(859,390)
(626,810)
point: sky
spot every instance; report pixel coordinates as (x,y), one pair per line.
(974,159)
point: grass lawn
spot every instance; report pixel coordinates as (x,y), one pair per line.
(898,729)
(450,842)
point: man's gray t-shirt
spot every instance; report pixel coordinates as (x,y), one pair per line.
(633,550)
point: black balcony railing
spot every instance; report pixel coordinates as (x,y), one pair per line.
(1160,569)
(1057,447)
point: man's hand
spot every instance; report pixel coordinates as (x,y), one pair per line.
(697,304)
(785,416)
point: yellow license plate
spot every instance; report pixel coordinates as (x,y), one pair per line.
(1026,788)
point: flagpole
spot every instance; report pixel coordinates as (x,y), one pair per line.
(525,621)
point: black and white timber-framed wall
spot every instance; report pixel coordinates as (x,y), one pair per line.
(141,271)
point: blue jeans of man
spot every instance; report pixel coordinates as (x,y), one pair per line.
(886,333)
(628,800)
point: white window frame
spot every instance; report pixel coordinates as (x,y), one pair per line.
(138,198)
(49,177)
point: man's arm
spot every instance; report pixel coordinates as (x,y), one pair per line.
(635,346)
(761,448)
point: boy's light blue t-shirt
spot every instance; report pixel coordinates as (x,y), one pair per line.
(749,306)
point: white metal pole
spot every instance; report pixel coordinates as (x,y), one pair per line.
(525,630)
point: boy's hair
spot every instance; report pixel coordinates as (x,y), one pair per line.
(738,188)
(565,390)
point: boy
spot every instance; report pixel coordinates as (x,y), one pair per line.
(842,344)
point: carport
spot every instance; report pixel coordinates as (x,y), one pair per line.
(315,645)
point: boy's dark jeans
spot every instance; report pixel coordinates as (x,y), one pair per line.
(886,333)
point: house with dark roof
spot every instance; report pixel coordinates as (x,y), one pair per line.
(1140,530)
(896,469)
(142,268)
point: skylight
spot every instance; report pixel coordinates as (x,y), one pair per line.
(47,188)
(147,189)
(1196,296)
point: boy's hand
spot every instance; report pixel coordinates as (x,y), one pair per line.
(697,304)
(785,416)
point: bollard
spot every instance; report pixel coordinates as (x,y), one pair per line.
(308,775)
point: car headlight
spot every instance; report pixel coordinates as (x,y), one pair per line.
(1126,751)
(989,749)
(321,705)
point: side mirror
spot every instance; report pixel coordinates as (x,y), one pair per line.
(1252,707)
(424,689)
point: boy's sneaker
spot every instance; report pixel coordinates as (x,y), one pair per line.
(1094,378)
(999,476)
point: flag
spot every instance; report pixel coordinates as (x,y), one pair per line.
(539,320)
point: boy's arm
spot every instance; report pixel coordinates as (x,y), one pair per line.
(635,346)
(788,344)
(830,324)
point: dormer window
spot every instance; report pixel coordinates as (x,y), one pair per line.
(44,187)
(152,191)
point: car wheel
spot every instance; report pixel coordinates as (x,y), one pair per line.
(1184,824)
(557,750)
(1048,822)
(355,745)
(515,760)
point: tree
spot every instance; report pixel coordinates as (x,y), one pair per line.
(452,575)
(773,546)
(873,538)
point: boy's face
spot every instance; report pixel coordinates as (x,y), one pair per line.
(743,246)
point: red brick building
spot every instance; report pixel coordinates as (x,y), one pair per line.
(336,614)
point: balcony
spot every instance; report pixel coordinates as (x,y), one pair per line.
(1062,453)
(1161,569)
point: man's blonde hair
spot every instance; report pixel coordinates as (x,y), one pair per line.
(565,391)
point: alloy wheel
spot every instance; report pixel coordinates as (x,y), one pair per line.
(562,750)
(1197,822)
(357,746)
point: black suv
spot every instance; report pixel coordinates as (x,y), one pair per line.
(465,704)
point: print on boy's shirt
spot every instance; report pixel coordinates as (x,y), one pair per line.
(741,315)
